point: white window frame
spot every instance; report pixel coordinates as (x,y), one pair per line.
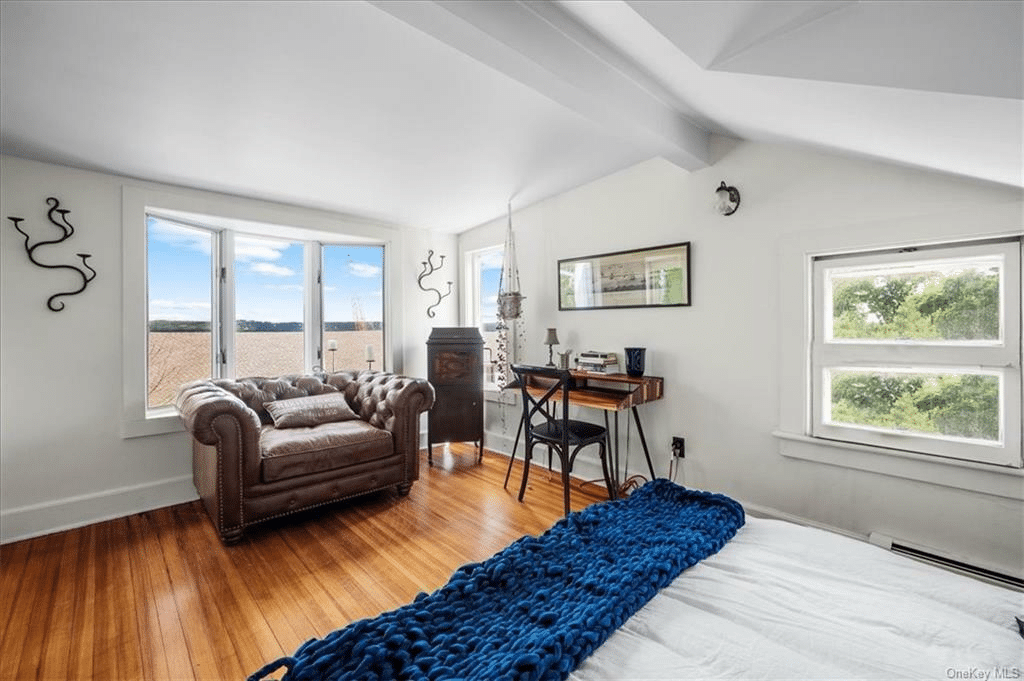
(795,253)
(219,300)
(224,357)
(473,299)
(1000,358)
(226,213)
(315,307)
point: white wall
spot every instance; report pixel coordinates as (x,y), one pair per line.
(63,461)
(719,357)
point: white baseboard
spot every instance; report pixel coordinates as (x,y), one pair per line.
(35,520)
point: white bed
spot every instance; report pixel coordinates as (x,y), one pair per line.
(781,601)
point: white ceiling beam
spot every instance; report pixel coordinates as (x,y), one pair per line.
(545,49)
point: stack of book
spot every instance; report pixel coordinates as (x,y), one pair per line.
(597,362)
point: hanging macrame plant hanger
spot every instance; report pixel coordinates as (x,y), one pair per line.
(510,302)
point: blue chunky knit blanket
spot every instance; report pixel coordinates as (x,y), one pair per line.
(538,608)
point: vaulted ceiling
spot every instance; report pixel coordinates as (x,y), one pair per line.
(435,114)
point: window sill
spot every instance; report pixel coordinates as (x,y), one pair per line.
(1000,481)
(160,423)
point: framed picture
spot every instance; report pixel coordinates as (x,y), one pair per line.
(645,277)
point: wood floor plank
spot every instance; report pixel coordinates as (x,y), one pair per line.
(149,558)
(252,636)
(200,640)
(289,624)
(83,618)
(157,596)
(116,645)
(156,624)
(59,623)
(14,560)
(198,566)
(296,584)
(32,622)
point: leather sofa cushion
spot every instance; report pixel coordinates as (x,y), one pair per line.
(305,412)
(290,452)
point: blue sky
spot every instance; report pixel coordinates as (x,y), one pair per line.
(269,277)
(490,274)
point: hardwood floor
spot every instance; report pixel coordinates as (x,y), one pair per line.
(157,596)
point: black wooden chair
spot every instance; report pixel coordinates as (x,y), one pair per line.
(562,434)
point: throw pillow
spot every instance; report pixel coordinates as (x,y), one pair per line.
(306,412)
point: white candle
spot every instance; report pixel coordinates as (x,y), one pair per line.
(369,353)
(332,345)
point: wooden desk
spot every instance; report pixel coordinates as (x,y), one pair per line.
(609,393)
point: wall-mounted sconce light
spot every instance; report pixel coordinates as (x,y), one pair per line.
(727,199)
(551,340)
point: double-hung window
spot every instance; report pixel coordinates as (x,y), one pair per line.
(920,350)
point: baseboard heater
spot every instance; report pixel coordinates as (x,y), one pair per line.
(923,554)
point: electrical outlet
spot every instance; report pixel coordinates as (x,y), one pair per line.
(678,447)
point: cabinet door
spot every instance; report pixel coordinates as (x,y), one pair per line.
(459,418)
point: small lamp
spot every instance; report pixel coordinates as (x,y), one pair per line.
(727,199)
(550,341)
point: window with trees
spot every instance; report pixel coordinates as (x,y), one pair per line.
(282,314)
(920,350)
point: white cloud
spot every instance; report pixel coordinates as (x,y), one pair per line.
(180,304)
(180,310)
(249,248)
(284,287)
(179,237)
(362,269)
(271,270)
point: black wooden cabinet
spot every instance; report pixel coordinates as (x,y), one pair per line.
(455,357)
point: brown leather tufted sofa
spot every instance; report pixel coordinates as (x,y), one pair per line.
(247,471)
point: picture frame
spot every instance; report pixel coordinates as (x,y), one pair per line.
(644,277)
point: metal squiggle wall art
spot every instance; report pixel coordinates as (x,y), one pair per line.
(429,268)
(67,230)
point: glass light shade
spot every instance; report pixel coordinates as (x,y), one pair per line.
(727,199)
(722,202)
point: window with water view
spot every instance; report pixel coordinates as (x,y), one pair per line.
(274,298)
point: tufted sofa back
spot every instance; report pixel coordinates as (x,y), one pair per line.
(256,391)
(370,394)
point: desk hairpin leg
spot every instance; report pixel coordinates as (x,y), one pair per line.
(613,464)
(643,441)
(614,454)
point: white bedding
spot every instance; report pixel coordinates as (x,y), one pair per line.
(781,601)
